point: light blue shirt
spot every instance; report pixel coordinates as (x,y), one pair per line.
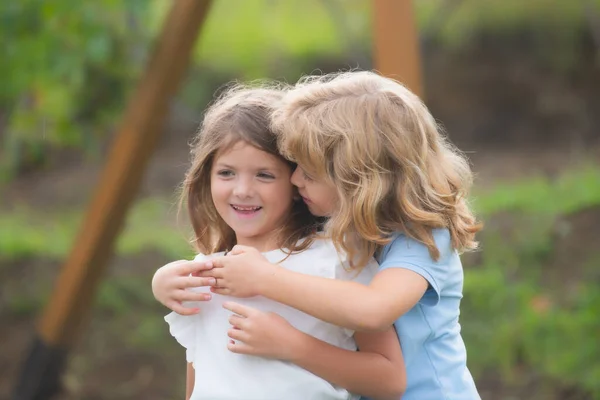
(433,349)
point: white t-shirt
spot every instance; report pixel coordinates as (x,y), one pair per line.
(223,375)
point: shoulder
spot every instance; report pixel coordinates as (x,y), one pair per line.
(406,247)
(339,261)
(320,247)
(408,253)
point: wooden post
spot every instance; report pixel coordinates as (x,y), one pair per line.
(396,43)
(134,143)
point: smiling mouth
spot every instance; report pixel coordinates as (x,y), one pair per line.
(306,199)
(246,209)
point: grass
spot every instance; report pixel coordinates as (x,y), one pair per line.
(572,191)
(26,233)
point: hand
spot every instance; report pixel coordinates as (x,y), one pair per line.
(240,273)
(263,334)
(170,282)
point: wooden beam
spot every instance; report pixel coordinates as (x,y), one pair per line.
(396,43)
(133,145)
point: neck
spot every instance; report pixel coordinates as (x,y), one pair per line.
(260,244)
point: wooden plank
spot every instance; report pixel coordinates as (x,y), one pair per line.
(396,43)
(134,143)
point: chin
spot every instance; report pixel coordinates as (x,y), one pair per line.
(247,234)
(316,213)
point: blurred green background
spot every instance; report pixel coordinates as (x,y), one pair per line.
(515,83)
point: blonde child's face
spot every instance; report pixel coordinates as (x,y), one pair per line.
(252,192)
(320,197)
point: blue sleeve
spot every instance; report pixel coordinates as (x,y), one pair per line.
(407,253)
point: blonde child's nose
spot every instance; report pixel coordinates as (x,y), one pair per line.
(296,178)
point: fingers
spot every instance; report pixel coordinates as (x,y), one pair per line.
(190,267)
(186,295)
(238,334)
(239,309)
(239,249)
(221,291)
(211,273)
(181,310)
(219,262)
(240,348)
(237,322)
(194,281)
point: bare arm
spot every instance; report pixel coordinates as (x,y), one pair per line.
(376,371)
(190,380)
(391,293)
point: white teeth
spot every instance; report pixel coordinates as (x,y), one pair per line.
(241,208)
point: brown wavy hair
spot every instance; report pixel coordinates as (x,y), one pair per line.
(240,113)
(392,167)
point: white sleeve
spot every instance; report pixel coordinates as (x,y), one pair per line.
(183,329)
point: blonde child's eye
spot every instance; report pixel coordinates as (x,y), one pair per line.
(306,176)
(225,173)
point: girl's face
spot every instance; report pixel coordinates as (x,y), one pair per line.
(252,192)
(320,197)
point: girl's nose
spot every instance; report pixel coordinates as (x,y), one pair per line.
(243,189)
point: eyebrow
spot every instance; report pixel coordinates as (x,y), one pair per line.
(223,165)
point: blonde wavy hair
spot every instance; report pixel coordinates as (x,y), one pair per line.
(240,113)
(378,145)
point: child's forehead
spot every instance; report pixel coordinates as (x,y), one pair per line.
(311,163)
(243,152)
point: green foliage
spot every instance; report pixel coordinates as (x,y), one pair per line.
(26,233)
(512,324)
(517,313)
(572,191)
(69,65)
(66,68)
(24,304)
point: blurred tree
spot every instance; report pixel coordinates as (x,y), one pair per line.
(65,68)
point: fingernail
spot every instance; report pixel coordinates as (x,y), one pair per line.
(212,281)
(207,296)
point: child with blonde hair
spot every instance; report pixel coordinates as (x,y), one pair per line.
(238,192)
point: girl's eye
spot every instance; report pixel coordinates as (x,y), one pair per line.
(225,173)
(265,175)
